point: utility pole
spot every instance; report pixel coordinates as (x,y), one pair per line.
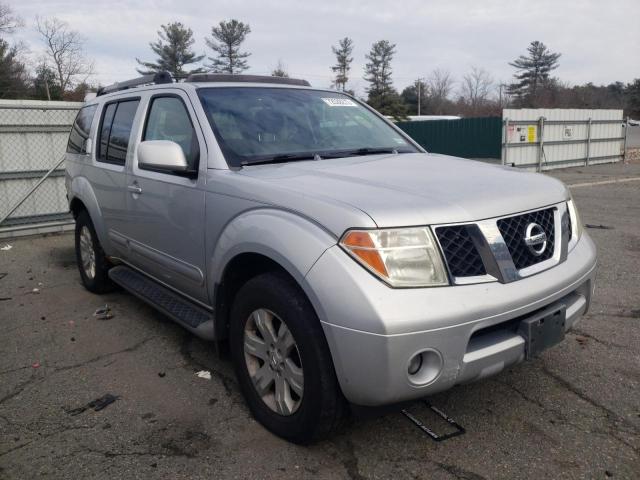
(419,86)
(46,87)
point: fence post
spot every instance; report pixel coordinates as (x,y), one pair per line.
(586,163)
(540,142)
(505,135)
(624,145)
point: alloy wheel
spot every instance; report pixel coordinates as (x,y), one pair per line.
(87,253)
(273,362)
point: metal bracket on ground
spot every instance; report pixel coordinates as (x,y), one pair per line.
(459,429)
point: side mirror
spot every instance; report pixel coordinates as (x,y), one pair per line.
(162,155)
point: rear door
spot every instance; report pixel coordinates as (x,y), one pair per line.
(166,223)
(108,175)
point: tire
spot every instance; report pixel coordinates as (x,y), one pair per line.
(321,409)
(94,279)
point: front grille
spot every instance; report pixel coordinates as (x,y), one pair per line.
(459,251)
(513,230)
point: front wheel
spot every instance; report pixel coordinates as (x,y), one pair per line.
(282,360)
(92,262)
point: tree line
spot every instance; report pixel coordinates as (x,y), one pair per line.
(63,72)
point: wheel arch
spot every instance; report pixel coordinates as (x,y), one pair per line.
(82,197)
(259,241)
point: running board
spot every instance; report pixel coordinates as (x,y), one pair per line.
(192,317)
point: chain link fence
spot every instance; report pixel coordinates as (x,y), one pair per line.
(33,139)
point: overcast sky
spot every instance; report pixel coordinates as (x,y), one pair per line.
(599,41)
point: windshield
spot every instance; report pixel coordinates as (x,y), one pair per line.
(261,125)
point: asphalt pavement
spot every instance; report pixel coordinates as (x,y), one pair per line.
(118,398)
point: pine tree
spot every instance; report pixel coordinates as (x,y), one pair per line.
(632,95)
(533,72)
(280,70)
(382,96)
(45,83)
(410,97)
(343,63)
(174,51)
(13,72)
(226,40)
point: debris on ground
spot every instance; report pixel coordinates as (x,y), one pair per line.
(103,313)
(6,248)
(582,340)
(35,365)
(204,374)
(3,274)
(598,227)
(161,374)
(97,404)
(4,299)
(35,291)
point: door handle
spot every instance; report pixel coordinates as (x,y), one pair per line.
(134,189)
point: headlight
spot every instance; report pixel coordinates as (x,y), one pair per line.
(576,223)
(402,257)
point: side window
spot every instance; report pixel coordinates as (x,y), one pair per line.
(115,131)
(168,119)
(80,129)
(105,130)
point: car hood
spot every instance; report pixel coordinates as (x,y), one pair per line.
(412,189)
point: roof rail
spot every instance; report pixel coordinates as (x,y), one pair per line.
(228,77)
(152,78)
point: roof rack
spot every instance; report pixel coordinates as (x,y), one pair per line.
(228,77)
(153,78)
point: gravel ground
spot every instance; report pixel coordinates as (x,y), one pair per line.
(572,413)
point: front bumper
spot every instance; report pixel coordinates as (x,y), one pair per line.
(373,330)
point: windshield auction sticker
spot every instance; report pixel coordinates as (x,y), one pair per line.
(339,102)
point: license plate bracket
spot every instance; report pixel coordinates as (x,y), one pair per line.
(543,330)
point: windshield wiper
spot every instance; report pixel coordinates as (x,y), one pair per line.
(374,151)
(292,157)
(287,157)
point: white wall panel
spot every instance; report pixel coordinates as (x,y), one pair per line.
(565,137)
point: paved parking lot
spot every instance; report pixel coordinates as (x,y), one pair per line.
(573,413)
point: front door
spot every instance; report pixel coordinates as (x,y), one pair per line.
(166,211)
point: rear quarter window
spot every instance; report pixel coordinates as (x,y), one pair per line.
(80,130)
(115,129)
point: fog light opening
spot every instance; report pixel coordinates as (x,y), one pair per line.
(424,367)
(414,364)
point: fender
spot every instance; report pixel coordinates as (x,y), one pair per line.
(289,239)
(81,189)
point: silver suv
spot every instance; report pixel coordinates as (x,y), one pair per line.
(339,261)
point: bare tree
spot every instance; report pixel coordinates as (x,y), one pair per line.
(440,84)
(64,48)
(8,20)
(476,88)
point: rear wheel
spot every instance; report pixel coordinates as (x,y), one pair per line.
(92,262)
(282,360)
